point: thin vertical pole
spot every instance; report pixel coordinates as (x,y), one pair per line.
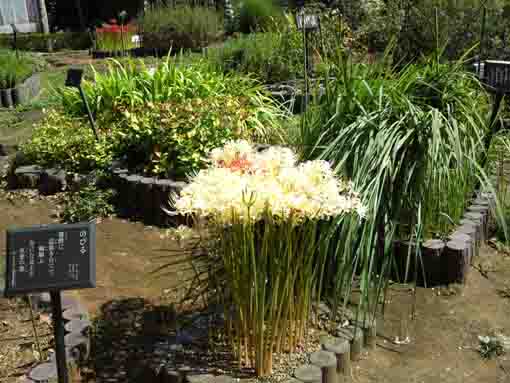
(58,326)
(89,113)
(482,35)
(34,327)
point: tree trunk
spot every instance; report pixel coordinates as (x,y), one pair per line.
(45,27)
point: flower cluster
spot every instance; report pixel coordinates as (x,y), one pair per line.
(244,184)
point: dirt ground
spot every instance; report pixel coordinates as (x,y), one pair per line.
(444,334)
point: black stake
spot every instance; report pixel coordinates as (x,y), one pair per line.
(74,77)
(58,326)
(89,113)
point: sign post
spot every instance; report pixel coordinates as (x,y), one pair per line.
(58,328)
(73,80)
(51,258)
(307,23)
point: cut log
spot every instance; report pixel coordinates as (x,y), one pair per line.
(471,232)
(342,350)
(478,219)
(484,211)
(81,326)
(405,257)
(457,261)
(354,335)
(200,378)
(462,237)
(356,343)
(481,201)
(326,361)
(432,251)
(308,374)
(170,375)
(370,334)
(148,200)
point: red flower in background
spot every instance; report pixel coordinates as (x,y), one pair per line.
(112,21)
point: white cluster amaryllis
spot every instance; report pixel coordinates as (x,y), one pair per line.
(244,184)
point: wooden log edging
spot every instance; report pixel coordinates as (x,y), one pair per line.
(138,197)
(333,363)
(446,261)
(77,340)
(22,93)
(145,198)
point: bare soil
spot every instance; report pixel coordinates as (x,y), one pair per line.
(444,334)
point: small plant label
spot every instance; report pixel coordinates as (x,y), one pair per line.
(50,258)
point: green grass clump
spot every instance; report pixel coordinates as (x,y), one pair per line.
(86,204)
(269,57)
(410,140)
(15,68)
(181,27)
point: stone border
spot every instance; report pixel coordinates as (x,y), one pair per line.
(77,339)
(447,261)
(21,94)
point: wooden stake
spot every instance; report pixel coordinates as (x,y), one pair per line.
(326,361)
(342,350)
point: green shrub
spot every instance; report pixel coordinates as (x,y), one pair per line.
(277,54)
(14,69)
(270,57)
(86,204)
(256,14)
(180,27)
(164,122)
(174,139)
(39,41)
(69,142)
(132,85)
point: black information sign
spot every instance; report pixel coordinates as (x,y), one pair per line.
(50,258)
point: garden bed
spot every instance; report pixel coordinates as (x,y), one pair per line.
(21,94)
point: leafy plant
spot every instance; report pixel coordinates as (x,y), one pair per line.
(409,139)
(86,204)
(181,27)
(14,69)
(174,139)
(66,141)
(270,234)
(270,57)
(490,347)
(256,14)
(163,120)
